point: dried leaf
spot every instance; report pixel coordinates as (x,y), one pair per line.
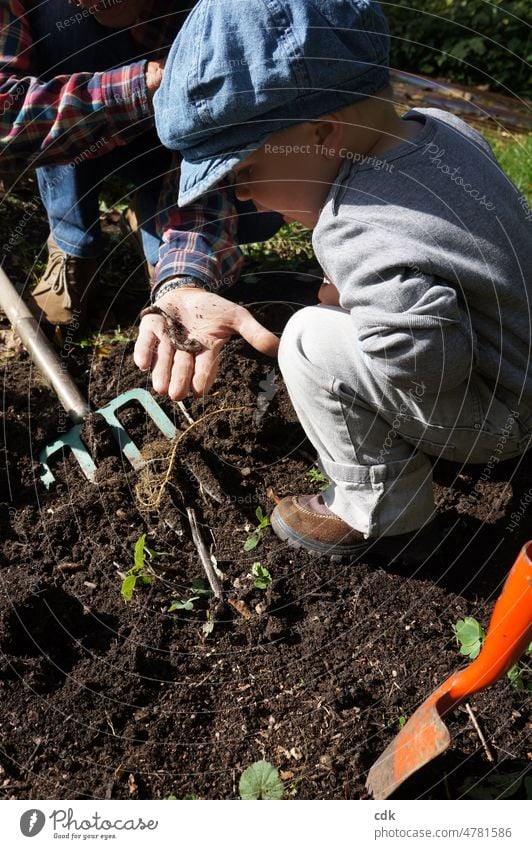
(241,607)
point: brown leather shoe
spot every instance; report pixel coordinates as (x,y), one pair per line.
(304,521)
(61,295)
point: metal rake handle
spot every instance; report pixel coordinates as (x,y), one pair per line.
(41,351)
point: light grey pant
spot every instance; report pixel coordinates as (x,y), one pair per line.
(373,438)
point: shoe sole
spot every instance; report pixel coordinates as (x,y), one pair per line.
(334,552)
(373,550)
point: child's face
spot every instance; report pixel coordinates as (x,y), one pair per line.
(290,174)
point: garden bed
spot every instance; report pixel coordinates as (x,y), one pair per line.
(103,698)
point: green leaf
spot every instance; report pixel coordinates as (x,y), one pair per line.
(261,780)
(208,626)
(183,604)
(263,577)
(128,585)
(145,580)
(470,635)
(263,520)
(516,679)
(200,587)
(472,651)
(251,543)
(318,477)
(154,554)
(215,567)
(139,552)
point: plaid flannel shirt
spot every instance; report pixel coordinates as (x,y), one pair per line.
(50,122)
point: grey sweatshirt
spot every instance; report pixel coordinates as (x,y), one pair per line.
(430,248)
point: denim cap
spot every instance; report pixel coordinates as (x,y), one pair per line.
(240,70)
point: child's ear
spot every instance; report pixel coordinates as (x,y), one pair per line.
(330,133)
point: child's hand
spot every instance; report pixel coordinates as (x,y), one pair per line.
(209,319)
(328,293)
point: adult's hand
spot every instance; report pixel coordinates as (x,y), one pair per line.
(211,320)
(154,76)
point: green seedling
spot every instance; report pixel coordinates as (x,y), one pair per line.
(318,477)
(262,577)
(141,574)
(253,540)
(261,780)
(183,604)
(102,340)
(515,674)
(200,589)
(401,721)
(188,798)
(208,626)
(470,636)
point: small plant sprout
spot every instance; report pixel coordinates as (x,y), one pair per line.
(470,636)
(253,540)
(199,589)
(262,577)
(318,477)
(516,674)
(182,604)
(261,780)
(208,626)
(141,574)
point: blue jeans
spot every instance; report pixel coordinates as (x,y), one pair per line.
(70,193)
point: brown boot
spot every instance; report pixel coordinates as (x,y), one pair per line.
(306,522)
(61,295)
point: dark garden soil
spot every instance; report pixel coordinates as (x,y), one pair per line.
(106,698)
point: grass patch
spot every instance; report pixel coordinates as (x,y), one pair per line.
(514,155)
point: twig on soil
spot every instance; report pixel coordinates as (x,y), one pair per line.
(505,751)
(67,566)
(204,555)
(481,737)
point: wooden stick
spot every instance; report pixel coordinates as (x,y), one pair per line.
(204,555)
(481,737)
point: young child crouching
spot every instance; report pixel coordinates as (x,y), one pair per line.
(421,345)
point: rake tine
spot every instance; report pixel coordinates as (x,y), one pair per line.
(157,415)
(73,441)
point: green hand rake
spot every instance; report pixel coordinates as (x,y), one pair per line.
(76,406)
